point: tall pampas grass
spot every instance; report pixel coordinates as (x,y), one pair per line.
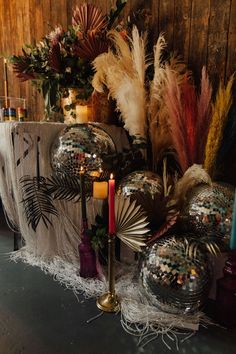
(175,117)
(189,116)
(159,71)
(125,79)
(220,112)
(159,129)
(203,116)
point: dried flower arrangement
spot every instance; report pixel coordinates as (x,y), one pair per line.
(62,59)
(167,109)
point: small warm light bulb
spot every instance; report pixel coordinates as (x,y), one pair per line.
(81,169)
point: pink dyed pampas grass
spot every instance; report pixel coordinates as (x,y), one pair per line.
(204,114)
(189,116)
(175,117)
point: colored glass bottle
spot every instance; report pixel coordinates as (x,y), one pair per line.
(226,294)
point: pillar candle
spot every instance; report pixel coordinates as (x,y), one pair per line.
(233,229)
(81,114)
(111,205)
(82,194)
(100,190)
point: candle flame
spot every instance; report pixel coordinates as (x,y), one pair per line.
(81,169)
(111,176)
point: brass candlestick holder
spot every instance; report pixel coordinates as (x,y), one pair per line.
(109,301)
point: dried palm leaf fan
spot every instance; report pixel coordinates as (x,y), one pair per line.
(93,27)
(93,45)
(92,24)
(131,223)
(89,18)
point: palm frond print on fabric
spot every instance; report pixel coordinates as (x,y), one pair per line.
(38,203)
(65,187)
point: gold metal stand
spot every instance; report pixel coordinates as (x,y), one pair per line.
(109,302)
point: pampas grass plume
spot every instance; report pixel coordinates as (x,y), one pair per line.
(220,112)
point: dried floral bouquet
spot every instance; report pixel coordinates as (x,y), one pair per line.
(62,59)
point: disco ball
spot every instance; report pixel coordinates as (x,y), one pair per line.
(176,281)
(145,182)
(82,145)
(208,211)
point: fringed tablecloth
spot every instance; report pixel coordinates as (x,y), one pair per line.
(55,249)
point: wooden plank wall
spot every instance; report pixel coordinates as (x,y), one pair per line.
(202,31)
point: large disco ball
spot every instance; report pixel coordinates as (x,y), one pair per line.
(84,145)
(176,281)
(145,182)
(208,211)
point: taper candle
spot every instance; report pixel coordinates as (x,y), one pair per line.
(109,302)
(111,205)
(82,194)
(5,83)
(232,243)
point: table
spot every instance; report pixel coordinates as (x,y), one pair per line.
(55,249)
(18,155)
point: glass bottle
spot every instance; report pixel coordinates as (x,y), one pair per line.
(226,294)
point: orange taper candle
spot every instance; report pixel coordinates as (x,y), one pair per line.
(5,83)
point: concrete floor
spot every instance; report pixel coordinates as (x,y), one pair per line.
(39,316)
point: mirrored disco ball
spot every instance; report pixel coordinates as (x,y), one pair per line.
(82,145)
(145,182)
(176,282)
(208,211)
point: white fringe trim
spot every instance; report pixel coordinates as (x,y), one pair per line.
(65,273)
(139,317)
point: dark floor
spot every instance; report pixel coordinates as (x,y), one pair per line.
(39,316)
